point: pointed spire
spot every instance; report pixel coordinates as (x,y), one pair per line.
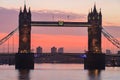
(100,12)
(29,10)
(94,10)
(20,10)
(25,10)
(89,12)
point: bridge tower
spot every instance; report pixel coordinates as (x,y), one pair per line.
(24,58)
(24,31)
(94,31)
(95,59)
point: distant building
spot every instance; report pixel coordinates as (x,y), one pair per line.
(32,50)
(53,50)
(61,50)
(108,51)
(118,52)
(39,49)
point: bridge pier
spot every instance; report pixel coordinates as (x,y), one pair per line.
(24,61)
(94,58)
(24,58)
(94,61)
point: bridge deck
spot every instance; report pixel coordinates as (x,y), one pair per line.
(60,24)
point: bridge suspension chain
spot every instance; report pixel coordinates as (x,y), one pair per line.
(110,38)
(3,40)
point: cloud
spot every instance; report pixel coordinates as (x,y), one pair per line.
(106,23)
(113,30)
(50,15)
(9,21)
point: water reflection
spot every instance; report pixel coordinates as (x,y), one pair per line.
(24,74)
(94,74)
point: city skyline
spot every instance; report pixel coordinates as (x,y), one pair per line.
(60,36)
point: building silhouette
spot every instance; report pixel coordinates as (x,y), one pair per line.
(94,32)
(108,51)
(61,50)
(24,30)
(39,49)
(53,50)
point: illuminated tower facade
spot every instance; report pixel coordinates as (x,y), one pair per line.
(24,31)
(94,31)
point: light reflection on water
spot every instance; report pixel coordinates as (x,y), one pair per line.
(94,74)
(24,75)
(58,72)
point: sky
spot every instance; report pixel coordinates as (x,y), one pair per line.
(44,10)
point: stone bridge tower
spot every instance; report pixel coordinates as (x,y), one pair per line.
(26,60)
(24,31)
(94,31)
(95,59)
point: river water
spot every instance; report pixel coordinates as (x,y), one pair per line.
(59,72)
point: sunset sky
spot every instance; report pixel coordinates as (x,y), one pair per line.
(72,39)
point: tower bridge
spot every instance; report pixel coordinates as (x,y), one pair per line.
(94,60)
(94,25)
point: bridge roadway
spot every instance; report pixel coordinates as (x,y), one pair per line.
(60,24)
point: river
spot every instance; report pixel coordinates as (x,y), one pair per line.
(58,72)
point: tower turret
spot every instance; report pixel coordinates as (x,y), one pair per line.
(90,15)
(100,17)
(29,11)
(25,10)
(20,10)
(95,10)
(94,16)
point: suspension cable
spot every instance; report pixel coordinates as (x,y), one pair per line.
(3,40)
(110,38)
(118,42)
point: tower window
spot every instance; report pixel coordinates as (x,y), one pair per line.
(98,17)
